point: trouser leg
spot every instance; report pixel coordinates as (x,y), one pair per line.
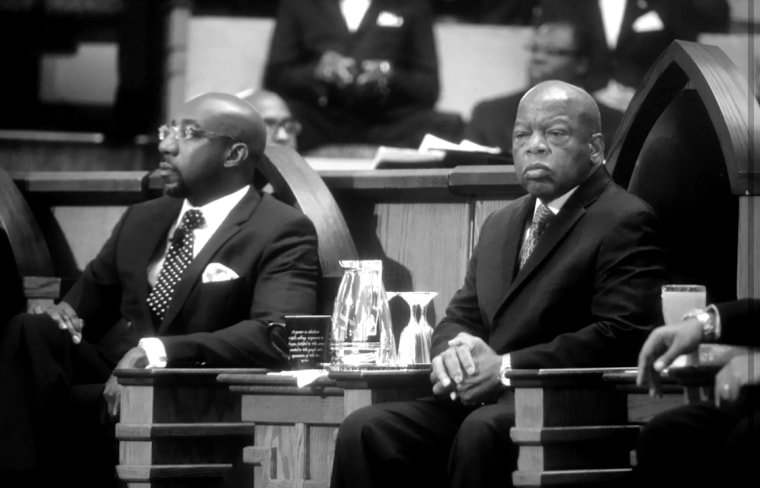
(401,444)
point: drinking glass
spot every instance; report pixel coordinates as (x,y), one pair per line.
(414,343)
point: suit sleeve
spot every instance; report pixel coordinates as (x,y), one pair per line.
(625,304)
(739,322)
(475,130)
(96,295)
(463,312)
(415,79)
(285,283)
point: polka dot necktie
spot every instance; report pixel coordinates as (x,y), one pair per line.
(541,219)
(177,260)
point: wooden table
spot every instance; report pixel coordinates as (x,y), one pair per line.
(578,427)
(180,427)
(295,428)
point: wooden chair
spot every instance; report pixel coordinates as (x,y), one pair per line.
(179,427)
(686,145)
(28,273)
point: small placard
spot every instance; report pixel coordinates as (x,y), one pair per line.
(308,339)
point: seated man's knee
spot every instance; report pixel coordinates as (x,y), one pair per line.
(485,421)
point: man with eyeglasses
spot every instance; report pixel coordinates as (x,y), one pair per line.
(559,50)
(282,128)
(197,277)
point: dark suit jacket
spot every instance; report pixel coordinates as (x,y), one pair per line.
(304,30)
(273,249)
(740,322)
(493,120)
(636,50)
(586,297)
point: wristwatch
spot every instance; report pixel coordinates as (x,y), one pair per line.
(506,365)
(706,319)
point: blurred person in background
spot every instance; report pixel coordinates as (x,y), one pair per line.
(559,50)
(282,128)
(358,72)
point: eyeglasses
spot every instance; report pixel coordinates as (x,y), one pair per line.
(551,51)
(290,125)
(186,132)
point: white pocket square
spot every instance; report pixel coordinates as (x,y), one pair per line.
(215,272)
(649,22)
(389,19)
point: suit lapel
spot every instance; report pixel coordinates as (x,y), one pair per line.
(633,10)
(370,16)
(572,211)
(505,260)
(192,275)
(332,7)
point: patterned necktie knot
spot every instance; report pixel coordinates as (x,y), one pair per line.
(192,219)
(177,260)
(541,219)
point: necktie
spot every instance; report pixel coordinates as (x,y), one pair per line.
(541,219)
(177,260)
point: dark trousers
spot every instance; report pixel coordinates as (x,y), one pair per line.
(53,422)
(427,442)
(700,445)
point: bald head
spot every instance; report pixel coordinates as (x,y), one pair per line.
(228,115)
(211,147)
(282,128)
(557,140)
(575,99)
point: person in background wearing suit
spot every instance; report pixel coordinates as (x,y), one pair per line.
(559,50)
(195,278)
(282,127)
(627,36)
(358,71)
(705,444)
(566,276)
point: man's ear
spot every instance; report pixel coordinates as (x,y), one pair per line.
(236,154)
(596,145)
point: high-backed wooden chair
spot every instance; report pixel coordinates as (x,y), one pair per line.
(179,427)
(686,145)
(27,276)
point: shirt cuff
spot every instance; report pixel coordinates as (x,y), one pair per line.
(155,351)
(506,365)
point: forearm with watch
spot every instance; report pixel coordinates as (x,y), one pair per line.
(709,321)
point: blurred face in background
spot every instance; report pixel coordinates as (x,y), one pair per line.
(282,128)
(555,55)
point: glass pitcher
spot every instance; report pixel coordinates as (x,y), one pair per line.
(361,325)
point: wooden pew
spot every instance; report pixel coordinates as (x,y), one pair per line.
(30,276)
(686,145)
(179,427)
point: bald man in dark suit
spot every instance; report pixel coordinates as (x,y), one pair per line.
(566,276)
(194,278)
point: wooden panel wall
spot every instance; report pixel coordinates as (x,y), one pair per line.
(748,257)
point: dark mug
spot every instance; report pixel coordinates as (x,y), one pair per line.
(308,340)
